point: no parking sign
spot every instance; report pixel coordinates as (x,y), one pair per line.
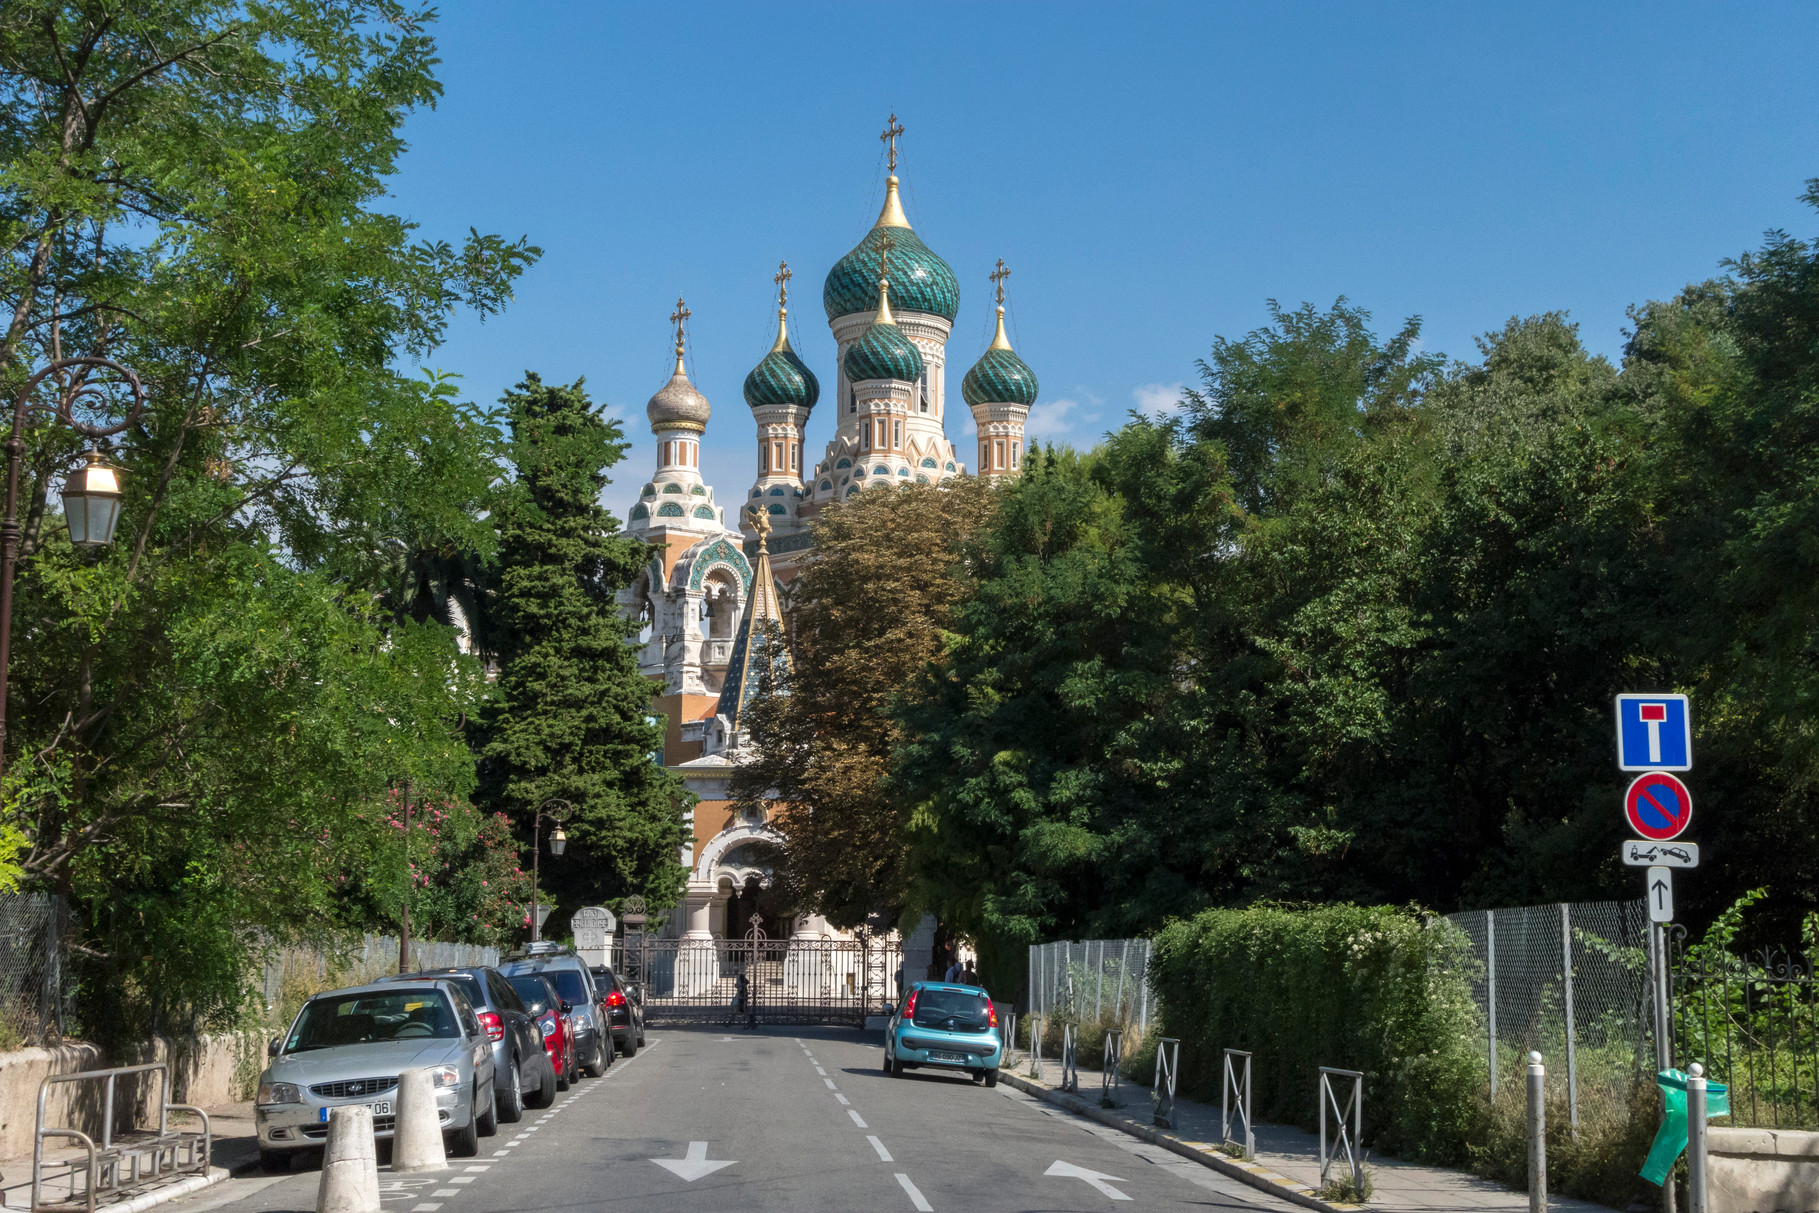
(1658,806)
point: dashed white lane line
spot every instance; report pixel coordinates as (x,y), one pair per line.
(462,1179)
(852,1112)
(485,1166)
(446,1192)
(428,1206)
(820,1071)
(829,1082)
(884,1155)
(915,1195)
(842,1099)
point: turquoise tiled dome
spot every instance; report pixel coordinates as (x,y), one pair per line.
(920,281)
(999,378)
(883,352)
(782,378)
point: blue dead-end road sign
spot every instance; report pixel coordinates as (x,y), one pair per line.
(1654,733)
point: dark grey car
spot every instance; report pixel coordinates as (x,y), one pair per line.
(569,974)
(522,1073)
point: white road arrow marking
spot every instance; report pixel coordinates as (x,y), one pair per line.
(1068,1170)
(695,1164)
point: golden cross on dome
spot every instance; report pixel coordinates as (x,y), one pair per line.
(886,242)
(998,276)
(892,129)
(676,318)
(782,280)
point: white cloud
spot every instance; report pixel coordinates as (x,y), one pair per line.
(1054,418)
(1157,399)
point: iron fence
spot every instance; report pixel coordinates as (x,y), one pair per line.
(1569,981)
(1092,981)
(1753,1021)
(36,994)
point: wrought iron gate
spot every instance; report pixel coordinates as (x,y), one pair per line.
(764,980)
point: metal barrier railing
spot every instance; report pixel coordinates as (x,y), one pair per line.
(1162,1091)
(1036,1027)
(1347,1139)
(111,1168)
(1111,1061)
(1070,1069)
(1235,1088)
(1007,1037)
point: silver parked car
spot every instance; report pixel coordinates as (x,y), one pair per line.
(349,1046)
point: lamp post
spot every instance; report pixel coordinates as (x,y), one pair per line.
(91,495)
(558,843)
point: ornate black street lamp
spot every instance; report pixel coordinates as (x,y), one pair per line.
(91,495)
(558,843)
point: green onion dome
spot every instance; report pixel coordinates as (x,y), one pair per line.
(923,281)
(882,351)
(999,377)
(782,378)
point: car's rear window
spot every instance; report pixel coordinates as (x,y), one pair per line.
(937,1006)
(534,993)
(356,1019)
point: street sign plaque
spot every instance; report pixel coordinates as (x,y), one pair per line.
(1660,893)
(1638,854)
(1658,805)
(1654,733)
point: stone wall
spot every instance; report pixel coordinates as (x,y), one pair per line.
(1763,1170)
(205,1070)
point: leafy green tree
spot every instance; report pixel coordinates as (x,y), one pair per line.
(199,713)
(569,716)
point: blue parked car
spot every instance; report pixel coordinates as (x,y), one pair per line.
(943,1024)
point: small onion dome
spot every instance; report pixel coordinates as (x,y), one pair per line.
(782,378)
(882,351)
(677,405)
(999,377)
(923,281)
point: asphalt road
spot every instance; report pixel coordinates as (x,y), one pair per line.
(786,1119)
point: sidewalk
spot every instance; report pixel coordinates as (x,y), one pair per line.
(1287,1162)
(234,1149)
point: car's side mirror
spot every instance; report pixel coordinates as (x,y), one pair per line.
(637,995)
(274,1046)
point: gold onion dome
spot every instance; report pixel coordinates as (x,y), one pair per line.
(677,405)
(921,281)
(781,378)
(882,351)
(999,377)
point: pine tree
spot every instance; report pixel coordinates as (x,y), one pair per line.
(569,716)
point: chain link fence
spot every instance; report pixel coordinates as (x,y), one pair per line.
(1099,981)
(35,989)
(1569,981)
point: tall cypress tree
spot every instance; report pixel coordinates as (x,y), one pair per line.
(569,716)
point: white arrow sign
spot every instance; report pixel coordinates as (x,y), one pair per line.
(1660,894)
(1068,1170)
(695,1165)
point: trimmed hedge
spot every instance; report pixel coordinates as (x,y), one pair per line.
(1377,989)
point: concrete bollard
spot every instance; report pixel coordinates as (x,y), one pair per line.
(350,1165)
(1537,1134)
(1695,1139)
(417,1131)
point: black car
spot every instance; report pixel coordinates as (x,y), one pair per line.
(523,1072)
(623,1010)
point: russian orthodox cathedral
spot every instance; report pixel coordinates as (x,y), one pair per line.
(713,594)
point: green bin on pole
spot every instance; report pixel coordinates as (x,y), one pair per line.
(1670,1141)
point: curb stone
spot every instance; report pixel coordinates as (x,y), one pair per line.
(1201,1152)
(170,1192)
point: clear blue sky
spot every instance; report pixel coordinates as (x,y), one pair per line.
(1152,174)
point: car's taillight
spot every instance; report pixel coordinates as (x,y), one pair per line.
(991,1014)
(495,1027)
(614,998)
(909,1008)
(548,1022)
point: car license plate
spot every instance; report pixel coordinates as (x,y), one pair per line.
(381,1107)
(941,1055)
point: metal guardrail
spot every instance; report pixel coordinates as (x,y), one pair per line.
(1347,1139)
(1235,1087)
(1111,1061)
(1036,1028)
(1070,1069)
(112,1169)
(1162,1091)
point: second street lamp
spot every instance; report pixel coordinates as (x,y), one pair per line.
(558,843)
